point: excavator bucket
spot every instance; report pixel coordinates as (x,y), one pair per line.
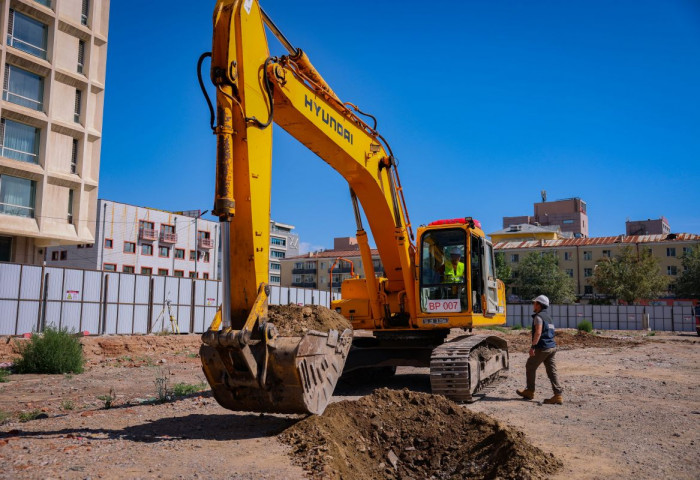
(275,374)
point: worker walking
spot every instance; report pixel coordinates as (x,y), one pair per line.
(542,349)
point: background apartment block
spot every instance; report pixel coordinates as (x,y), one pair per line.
(53,56)
(578,257)
(659,226)
(312,270)
(283,243)
(144,240)
(569,214)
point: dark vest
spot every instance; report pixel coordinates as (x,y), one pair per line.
(547,337)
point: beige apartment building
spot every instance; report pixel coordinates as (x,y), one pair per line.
(53,55)
(578,257)
(313,270)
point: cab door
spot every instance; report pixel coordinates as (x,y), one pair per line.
(489,275)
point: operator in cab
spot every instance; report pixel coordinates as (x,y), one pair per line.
(454,268)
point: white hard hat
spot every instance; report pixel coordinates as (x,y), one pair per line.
(542,299)
(455,251)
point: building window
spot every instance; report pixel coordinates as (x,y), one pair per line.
(17,196)
(687,250)
(109,243)
(193,274)
(568,222)
(64,255)
(70,206)
(588,290)
(81,56)
(74,157)
(54,255)
(568,256)
(299,265)
(23,88)
(671,252)
(193,255)
(274,279)
(163,272)
(129,247)
(587,255)
(570,272)
(672,270)
(146,271)
(26,34)
(205,276)
(19,141)
(128,269)
(275,267)
(163,252)
(514,257)
(78,102)
(84,12)
(206,257)
(46,3)
(146,225)
(179,273)
(587,272)
(146,249)
(297,278)
(606,253)
(179,254)
(276,254)
(278,241)
(109,267)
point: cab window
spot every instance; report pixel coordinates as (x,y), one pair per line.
(443,274)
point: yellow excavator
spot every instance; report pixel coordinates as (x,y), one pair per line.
(447,281)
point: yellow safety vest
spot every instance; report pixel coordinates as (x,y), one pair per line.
(454,277)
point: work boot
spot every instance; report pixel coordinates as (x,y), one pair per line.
(526,394)
(555,400)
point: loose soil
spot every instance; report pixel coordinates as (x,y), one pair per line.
(632,410)
(410,435)
(296,320)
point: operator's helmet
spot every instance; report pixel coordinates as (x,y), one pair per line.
(456,251)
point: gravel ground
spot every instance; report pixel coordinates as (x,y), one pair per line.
(631,410)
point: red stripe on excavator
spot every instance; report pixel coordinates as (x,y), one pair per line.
(452,221)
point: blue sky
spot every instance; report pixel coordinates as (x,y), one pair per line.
(484,103)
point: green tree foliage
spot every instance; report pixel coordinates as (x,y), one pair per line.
(630,276)
(503,271)
(539,274)
(54,351)
(688,284)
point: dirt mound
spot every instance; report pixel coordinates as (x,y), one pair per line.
(410,435)
(295,320)
(569,341)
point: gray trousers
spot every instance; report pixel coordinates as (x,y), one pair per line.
(546,356)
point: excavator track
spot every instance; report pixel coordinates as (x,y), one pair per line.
(465,366)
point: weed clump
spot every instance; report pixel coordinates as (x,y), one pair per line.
(585,326)
(54,351)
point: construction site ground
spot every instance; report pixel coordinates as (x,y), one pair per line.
(632,410)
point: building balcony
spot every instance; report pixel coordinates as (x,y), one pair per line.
(304,284)
(340,270)
(166,237)
(148,234)
(300,271)
(205,243)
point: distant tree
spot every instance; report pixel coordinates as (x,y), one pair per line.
(688,284)
(539,274)
(630,276)
(503,271)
